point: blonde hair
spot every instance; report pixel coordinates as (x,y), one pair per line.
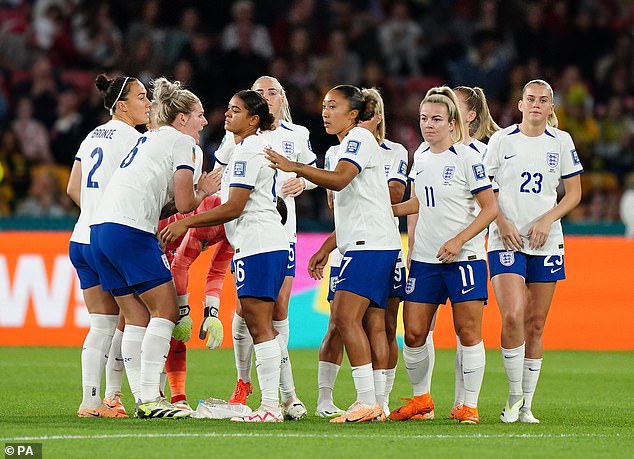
(483,126)
(171,100)
(445,95)
(374,103)
(552,118)
(285,108)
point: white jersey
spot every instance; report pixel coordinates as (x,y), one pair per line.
(225,151)
(445,185)
(198,164)
(144,181)
(330,163)
(290,140)
(259,228)
(363,213)
(100,154)
(527,171)
(394,161)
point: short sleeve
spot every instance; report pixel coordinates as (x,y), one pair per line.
(570,163)
(198,164)
(492,155)
(223,154)
(184,153)
(358,149)
(398,170)
(306,154)
(245,167)
(477,177)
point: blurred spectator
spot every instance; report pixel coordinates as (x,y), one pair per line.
(402,42)
(301,59)
(97,38)
(626,207)
(181,36)
(51,33)
(67,132)
(143,60)
(242,65)
(41,87)
(44,197)
(345,64)
(32,134)
(615,146)
(484,65)
(15,172)
(242,26)
(146,26)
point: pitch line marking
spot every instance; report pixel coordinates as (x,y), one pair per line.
(296,435)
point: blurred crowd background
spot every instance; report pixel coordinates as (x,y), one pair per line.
(51,51)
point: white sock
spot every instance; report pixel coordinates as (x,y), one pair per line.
(326,376)
(458,398)
(242,347)
(417,365)
(473,361)
(380,382)
(431,350)
(532,369)
(163,381)
(94,355)
(182,300)
(287,385)
(390,374)
(154,349)
(212,302)
(513,361)
(364,384)
(267,364)
(114,367)
(131,352)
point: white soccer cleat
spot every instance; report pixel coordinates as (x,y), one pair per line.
(293,409)
(329,410)
(215,408)
(182,405)
(262,414)
(526,415)
(511,413)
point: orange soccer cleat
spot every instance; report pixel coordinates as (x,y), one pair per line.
(418,407)
(241,392)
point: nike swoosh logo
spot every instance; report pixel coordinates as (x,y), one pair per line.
(553,270)
(508,356)
(239,287)
(509,156)
(355,420)
(469,372)
(118,359)
(238,338)
(467,290)
(533,369)
(290,266)
(420,172)
(340,280)
(397,286)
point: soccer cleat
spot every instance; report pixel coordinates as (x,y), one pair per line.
(526,415)
(424,417)
(328,411)
(160,408)
(293,409)
(262,414)
(416,408)
(359,412)
(511,413)
(102,411)
(182,405)
(456,408)
(113,404)
(241,392)
(468,415)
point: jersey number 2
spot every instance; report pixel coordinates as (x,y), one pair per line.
(99,153)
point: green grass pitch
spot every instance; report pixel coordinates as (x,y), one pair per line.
(584,399)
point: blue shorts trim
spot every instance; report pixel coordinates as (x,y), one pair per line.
(290,264)
(128,257)
(260,275)
(434,283)
(82,259)
(533,268)
(368,273)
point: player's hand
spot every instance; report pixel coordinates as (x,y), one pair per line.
(183,329)
(278,161)
(209,183)
(449,250)
(172,232)
(509,234)
(317,263)
(538,233)
(293,187)
(213,327)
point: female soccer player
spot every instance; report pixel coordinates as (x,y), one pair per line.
(448,254)
(394,157)
(365,233)
(253,227)
(526,245)
(123,234)
(95,162)
(293,140)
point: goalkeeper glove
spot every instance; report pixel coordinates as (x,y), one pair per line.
(212,325)
(183,328)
